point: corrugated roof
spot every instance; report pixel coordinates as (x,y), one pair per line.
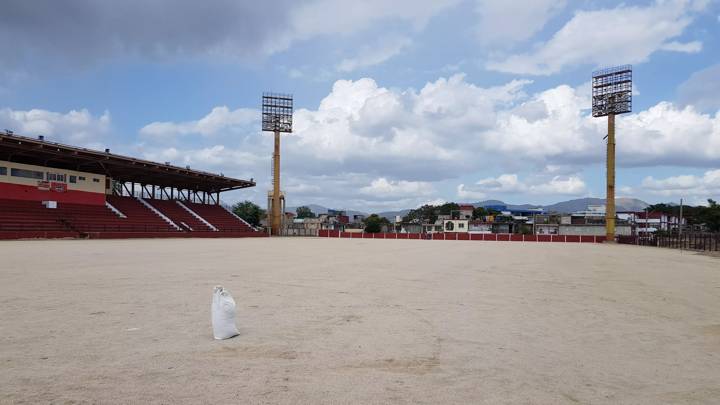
(21,149)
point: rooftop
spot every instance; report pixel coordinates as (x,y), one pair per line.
(37,151)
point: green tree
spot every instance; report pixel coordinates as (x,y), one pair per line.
(664,208)
(710,216)
(479,213)
(425,213)
(249,211)
(448,208)
(374,223)
(304,212)
(493,212)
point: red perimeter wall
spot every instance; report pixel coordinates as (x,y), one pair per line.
(466,236)
(32,193)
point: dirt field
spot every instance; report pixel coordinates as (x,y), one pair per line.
(358,321)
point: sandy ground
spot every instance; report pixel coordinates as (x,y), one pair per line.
(358,321)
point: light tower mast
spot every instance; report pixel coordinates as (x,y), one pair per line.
(277,111)
(611,95)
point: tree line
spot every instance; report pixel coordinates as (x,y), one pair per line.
(430,213)
(253,214)
(706,216)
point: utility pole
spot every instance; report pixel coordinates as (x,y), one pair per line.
(680,225)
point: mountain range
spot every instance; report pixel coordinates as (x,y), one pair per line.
(563,207)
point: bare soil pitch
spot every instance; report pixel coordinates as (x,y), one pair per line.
(358,321)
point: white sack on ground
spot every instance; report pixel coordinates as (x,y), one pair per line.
(223,314)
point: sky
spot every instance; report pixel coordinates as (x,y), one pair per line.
(397,103)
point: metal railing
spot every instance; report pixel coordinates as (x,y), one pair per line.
(299,232)
(688,241)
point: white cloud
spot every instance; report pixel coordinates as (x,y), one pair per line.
(691,186)
(451,126)
(437,201)
(502,22)
(402,133)
(322,17)
(668,135)
(560,185)
(686,47)
(216,157)
(505,183)
(303,188)
(384,188)
(78,127)
(702,89)
(466,194)
(625,34)
(375,55)
(664,134)
(219,120)
(357,190)
(85,32)
(511,184)
(403,143)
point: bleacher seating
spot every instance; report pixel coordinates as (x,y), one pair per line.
(219,217)
(30,219)
(20,215)
(139,217)
(180,216)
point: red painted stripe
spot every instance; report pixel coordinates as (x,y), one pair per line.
(31,193)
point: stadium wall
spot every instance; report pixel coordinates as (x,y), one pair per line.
(39,183)
(324,233)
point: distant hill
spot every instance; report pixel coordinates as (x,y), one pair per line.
(510,206)
(570,206)
(391,214)
(564,207)
(581,204)
(319,209)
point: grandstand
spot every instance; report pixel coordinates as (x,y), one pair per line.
(51,190)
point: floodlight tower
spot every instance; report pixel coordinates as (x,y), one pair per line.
(611,95)
(277,111)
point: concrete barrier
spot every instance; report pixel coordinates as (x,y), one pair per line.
(465,236)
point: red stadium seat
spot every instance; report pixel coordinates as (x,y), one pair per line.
(219,217)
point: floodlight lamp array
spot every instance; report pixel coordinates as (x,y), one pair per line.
(612,91)
(277,112)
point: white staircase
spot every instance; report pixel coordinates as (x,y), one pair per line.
(158,213)
(199,218)
(115,210)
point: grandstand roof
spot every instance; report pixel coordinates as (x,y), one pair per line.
(21,149)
